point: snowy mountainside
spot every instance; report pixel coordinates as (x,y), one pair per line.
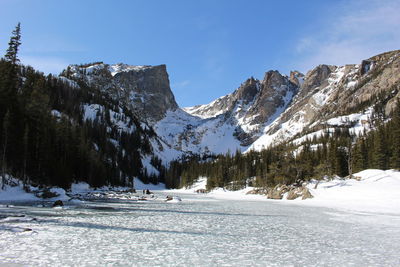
(337,96)
(191,134)
(258,114)
(252,106)
(281,108)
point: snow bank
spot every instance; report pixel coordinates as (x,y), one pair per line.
(16,193)
(371,191)
(139,185)
(80,188)
(220,193)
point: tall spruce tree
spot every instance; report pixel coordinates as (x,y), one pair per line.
(13,45)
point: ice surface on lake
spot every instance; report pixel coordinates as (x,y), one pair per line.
(199,231)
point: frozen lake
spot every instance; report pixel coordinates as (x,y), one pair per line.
(199,231)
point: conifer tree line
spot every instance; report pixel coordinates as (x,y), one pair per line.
(337,152)
(43,148)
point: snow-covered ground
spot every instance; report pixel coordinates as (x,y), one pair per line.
(199,231)
(375,191)
(17,193)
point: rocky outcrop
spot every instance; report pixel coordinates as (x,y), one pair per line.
(58,203)
(292,192)
(277,192)
(297,192)
(306,193)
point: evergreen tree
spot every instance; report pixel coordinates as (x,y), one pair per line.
(13,45)
(6,129)
(395,138)
(380,151)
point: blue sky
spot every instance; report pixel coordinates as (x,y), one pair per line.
(210,46)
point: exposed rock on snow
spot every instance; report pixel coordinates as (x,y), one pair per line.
(298,192)
(58,203)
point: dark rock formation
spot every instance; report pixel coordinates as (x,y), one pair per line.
(58,203)
(151,86)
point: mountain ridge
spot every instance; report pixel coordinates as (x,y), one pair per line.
(259,113)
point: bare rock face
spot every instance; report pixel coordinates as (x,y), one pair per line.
(151,86)
(247,91)
(316,78)
(297,78)
(276,92)
(145,90)
(277,192)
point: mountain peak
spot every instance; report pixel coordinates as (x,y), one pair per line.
(144,89)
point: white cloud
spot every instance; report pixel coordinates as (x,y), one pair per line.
(365,29)
(45,64)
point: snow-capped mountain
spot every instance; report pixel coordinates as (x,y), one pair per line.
(252,106)
(279,108)
(258,114)
(335,96)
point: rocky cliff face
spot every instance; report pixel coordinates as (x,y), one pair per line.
(143,89)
